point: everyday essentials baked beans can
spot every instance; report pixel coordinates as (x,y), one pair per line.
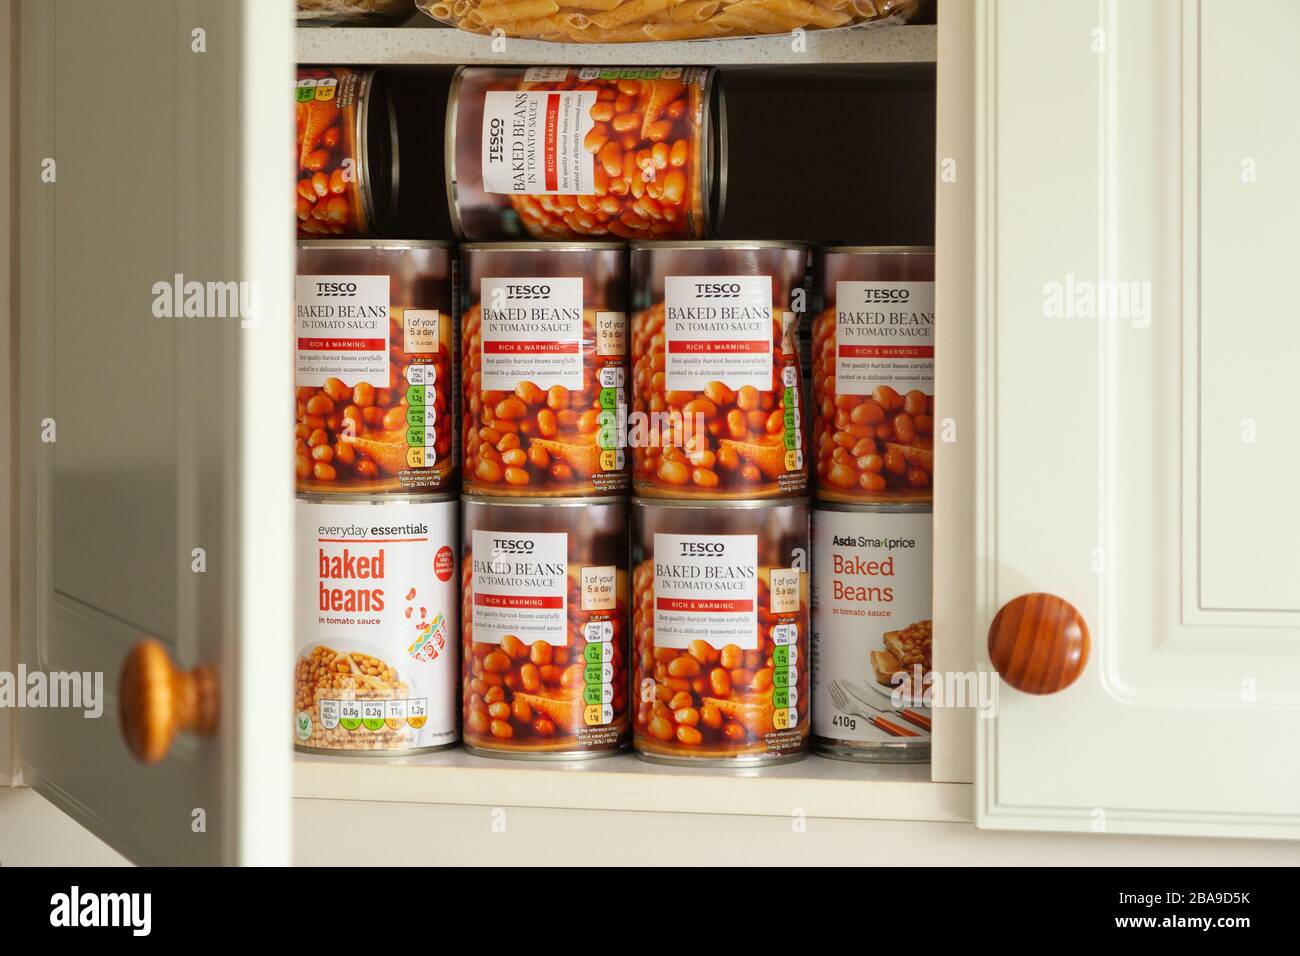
(871,639)
(376,602)
(376,370)
(545,628)
(873,374)
(557,152)
(720,623)
(347,152)
(717,392)
(544,351)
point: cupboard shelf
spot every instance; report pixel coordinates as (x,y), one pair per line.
(424,43)
(818,786)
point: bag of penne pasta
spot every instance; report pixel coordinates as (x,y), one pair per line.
(633,21)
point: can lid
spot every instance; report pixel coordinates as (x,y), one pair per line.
(882,508)
(396,244)
(716,504)
(562,246)
(881,250)
(738,244)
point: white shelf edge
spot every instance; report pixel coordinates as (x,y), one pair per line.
(818,787)
(414,45)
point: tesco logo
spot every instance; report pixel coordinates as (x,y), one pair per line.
(528,291)
(717,290)
(698,549)
(336,288)
(512,546)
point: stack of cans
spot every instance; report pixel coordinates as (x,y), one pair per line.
(375,451)
(873,432)
(720,536)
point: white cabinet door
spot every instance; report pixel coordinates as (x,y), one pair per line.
(1137,335)
(152,140)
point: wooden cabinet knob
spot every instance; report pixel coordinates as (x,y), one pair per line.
(1038,643)
(158,701)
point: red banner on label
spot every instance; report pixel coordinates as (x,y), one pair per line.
(531,348)
(712,606)
(552,128)
(886,351)
(517,600)
(714,348)
(342,345)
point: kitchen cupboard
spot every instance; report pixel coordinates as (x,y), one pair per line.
(1103,183)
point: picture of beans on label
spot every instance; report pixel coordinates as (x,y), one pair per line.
(718,398)
(583,152)
(347,152)
(873,375)
(545,366)
(544,638)
(375,367)
(720,625)
(375,625)
(872,641)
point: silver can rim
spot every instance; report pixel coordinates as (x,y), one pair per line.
(739,245)
(727,504)
(851,507)
(880,250)
(525,502)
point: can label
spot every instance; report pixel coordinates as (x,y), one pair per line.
(331,188)
(533,142)
(884,336)
(706,588)
(376,626)
(717,329)
(532,331)
(342,325)
(521,587)
(871,642)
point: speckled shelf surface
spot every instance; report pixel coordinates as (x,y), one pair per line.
(820,787)
(422,40)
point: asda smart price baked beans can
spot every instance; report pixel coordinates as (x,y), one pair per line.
(376,601)
(544,631)
(347,152)
(720,628)
(871,639)
(376,371)
(873,374)
(585,152)
(544,350)
(718,399)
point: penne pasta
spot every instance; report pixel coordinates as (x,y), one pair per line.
(805,12)
(627,12)
(502,11)
(693,10)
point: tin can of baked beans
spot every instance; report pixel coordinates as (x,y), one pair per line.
(717,392)
(873,374)
(544,640)
(585,152)
(544,359)
(871,638)
(376,671)
(347,152)
(376,371)
(720,623)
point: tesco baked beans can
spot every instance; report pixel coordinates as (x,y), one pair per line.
(718,397)
(376,370)
(544,354)
(558,152)
(720,598)
(545,628)
(873,375)
(346,152)
(376,669)
(872,634)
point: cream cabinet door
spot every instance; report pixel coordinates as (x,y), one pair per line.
(1136,340)
(154,481)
